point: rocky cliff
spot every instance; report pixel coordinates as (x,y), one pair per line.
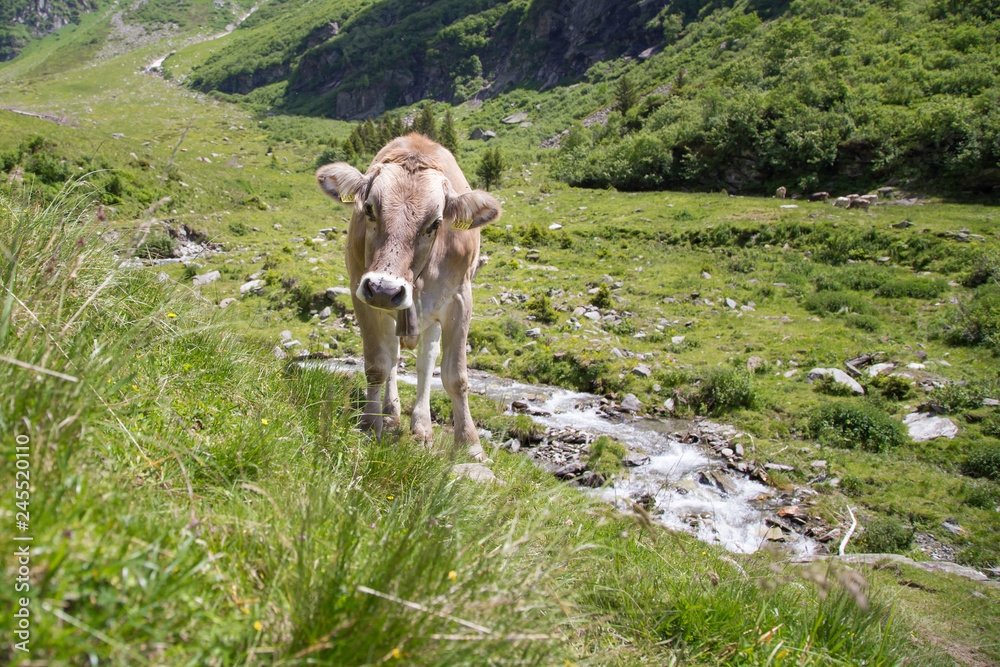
(22,19)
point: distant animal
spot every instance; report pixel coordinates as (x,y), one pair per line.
(842,202)
(412,251)
(780,192)
(819,196)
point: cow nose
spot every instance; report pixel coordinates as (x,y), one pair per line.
(385,292)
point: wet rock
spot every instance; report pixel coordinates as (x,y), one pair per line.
(631,404)
(635,459)
(571,470)
(518,406)
(923,426)
(839,376)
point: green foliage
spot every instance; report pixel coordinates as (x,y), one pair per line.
(448,137)
(976,320)
(602,298)
(424,123)
(991,425)
(540,305)
(892,387)
(626,94)
(606,456)
(856,424)
(725,389)
(913,288)
(158,245)
(491,167)
(957,397)
(883,535)
(985,270)
(835,302)
(981,494)
(331,155)
(829,386)
(984,463)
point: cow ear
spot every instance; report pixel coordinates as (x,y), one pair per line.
(342,182)
(471,209)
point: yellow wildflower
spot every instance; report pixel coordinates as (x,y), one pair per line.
(453,575)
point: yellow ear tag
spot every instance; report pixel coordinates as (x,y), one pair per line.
(347,197)
(462,224)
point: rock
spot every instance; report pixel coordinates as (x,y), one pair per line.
(477,472)
(669,404)
(519,406)
(754,363)
(533,333)
(642,370)
(789,206)
(818,465)
(162,277)
(225,303)
(592,315)
(677,340)
(555,226)
(252,287)
(514,445)
(285,335)
(592,479)
(636,459)
(206,278)
(774,534)
(790,373)
(631,404)
(839,376)
(991,402)
(515,118)
(731,304)
(879,368)
(706,275)
(571,470)
(325,313)
(290,343)
(925,426)
(781,467)
(279,353)
(916,367)
(333,292)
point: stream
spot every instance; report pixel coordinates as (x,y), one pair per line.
(680,484)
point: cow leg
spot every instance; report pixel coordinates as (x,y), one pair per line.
(381,352)
(455,374)
(427,354)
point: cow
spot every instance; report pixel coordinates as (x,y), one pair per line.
(412,252)
(819,196)
(780,192)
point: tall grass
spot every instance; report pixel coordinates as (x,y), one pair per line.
(195,501)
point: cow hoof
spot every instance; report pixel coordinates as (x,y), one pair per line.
(478,454)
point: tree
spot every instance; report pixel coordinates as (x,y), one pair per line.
(491,167)
(626,94)
(449,137)
(424,122)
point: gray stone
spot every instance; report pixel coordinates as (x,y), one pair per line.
(991,402)
(754,363)
(592,315)
(252,287)
(636,459)
(477,472)
(924,426)
(953,528)
(781,467)
(731,304)
(533,333)
(642,370)
(669,404)
(515,118)
(790,373)
(285,335)
(333,292)
(818,465)
(206,278)
(706,275)
(677,340)
(279,353)
(839,376)
(879,368)
(555,226)
(631,404)
(162,277)
(225,303)
(325,313)
(290,343)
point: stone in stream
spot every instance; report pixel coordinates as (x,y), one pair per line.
(631,404)
(571,470)
(635,459)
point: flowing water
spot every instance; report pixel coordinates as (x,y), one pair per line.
(731,513)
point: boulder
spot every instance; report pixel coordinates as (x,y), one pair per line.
(333,292)
(631,404)
(251,287)
(206,278)
(879,368)
(839,376)
(925,426)
(477,472)
(325,313)
(642,370)
(515,118)
(225,303)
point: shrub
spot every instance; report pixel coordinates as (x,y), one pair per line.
(158,245)
(835,302)
(829,386)
(850,424)
(914,288)
(625,327)
(540,305)
(602,299)
(893,387)
(535,235)
(984,463)
(985,270)
(955,397)
(726,389)
(868,323)
(329,155)
(976,321)
(238,228)
(606,455)
(883,535)
(991,425)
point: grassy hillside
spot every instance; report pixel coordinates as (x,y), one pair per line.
(180,472)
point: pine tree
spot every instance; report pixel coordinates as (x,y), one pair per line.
(350,155)
(491,168)
(424,122)
(626,94)
(449,137)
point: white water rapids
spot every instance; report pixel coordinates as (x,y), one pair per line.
(732,517)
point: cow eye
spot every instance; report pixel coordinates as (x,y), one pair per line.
(369,211)
(434,226)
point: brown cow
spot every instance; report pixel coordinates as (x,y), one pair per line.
(412,251)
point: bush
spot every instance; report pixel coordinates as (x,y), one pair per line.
(540,305)
(893,387)
(726,389)
(883,535)
(829,386)
(869,323)
(955,397)
(976,321)
(914,288)
(606,455)
(984,463)
(985,270)
(602,299)
(991,425)
(158,245)
(835,302)
(850,424)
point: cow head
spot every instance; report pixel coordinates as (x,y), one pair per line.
(404,212)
